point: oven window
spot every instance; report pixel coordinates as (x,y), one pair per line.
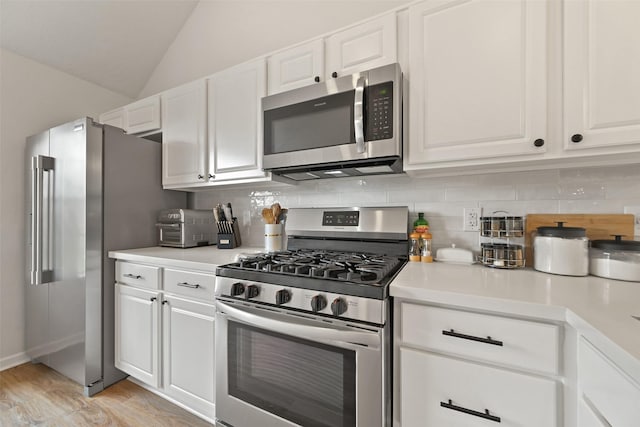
(322,122)
(305,382)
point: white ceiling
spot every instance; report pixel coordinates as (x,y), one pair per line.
(116,44)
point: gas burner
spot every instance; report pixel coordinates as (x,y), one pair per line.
(359,268)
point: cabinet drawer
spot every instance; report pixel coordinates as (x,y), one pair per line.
(140,275)
(189,284)
(441,391)
(613,395)
(515,342)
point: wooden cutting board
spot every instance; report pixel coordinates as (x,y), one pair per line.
(598,226)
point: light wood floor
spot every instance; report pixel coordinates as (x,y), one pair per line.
(34,395)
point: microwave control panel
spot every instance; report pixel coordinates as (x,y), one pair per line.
(379,123)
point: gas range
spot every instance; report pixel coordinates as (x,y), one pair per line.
(339,263)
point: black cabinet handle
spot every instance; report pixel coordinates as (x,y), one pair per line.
(487,340)
(316,79)
(165,302)
(486,414)
(538,142)
(334,74)
(576,138)
(153,299)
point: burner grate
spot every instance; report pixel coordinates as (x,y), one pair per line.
(359,268)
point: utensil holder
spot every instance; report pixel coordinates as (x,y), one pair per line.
(273,237)
(228,234)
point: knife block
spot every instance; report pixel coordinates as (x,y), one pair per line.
(228,234)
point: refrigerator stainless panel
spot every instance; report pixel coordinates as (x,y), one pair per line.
(103,193)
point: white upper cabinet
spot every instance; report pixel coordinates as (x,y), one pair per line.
(138,117)
(601,74)
(361,47)
(478,81)
(113,118)
(235,121)
(296,67)
(184,144)
(368,45)
(143,115)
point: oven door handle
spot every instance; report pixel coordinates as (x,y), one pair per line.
(314,333)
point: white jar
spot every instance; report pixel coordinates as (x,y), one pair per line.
(615,259)
(561,250)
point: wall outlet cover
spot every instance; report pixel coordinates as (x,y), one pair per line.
(471,219)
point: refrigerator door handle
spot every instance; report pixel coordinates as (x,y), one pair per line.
(40,164)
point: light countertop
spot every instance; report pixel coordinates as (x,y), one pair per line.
(203,258)
(600,309)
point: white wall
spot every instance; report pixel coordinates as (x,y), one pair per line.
(33,98)
(220,34)
(588,190)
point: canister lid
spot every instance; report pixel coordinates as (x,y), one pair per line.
(562,231)
(617,245)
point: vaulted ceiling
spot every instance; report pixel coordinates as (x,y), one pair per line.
(113,43)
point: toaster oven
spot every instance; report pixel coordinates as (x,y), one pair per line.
(186,228)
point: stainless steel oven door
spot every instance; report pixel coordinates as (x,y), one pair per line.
(275,369)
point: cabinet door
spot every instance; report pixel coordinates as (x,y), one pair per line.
(137,318)
(143,115)
(588,418)
(113,118)
(188,335)
(368,45)
(184,144)
(602,74)
(235,121)
(296,67)
(441,391)
(478,80)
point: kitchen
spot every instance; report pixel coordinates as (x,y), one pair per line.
(610,187)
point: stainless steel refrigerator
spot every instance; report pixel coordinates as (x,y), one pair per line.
(91,189)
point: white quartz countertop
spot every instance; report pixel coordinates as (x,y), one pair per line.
(203,258)
(600,309)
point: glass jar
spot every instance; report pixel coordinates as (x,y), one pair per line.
(414,247)
(426,254)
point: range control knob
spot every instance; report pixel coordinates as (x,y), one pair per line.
(338,306)
(318,303)
(252,291)
(283,296)
(237,289)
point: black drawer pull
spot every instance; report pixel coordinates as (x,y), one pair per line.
(188,285)
(133,276)
(487,340)
(486,414)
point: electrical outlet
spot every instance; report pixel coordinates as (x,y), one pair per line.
(635,210)
(471,219)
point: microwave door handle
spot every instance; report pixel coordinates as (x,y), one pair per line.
(314,333)
(358,115)
(167,225)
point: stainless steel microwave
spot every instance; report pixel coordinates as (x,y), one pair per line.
(346,126)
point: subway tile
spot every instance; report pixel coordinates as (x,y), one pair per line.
(444,208)
(590,206)
(519,208)
(497,192)
(582,191)
(537,191)
(363,198)
(623,189)
(318,199)
(416,194)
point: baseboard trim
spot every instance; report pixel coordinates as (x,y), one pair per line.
(14,360)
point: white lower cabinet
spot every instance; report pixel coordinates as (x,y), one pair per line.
(588,418)
(612,394)
(443,391)
(165,338)
(458,368)
(137,338)
(188,352)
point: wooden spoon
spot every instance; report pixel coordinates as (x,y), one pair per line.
(267,215)
(275,209)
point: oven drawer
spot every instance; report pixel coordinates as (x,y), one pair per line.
(442,391)
(514,342)
(140,275)
(189,284)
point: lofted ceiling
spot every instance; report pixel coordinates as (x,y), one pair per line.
(115,44)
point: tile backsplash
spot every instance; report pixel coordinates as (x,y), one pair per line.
(443,199)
